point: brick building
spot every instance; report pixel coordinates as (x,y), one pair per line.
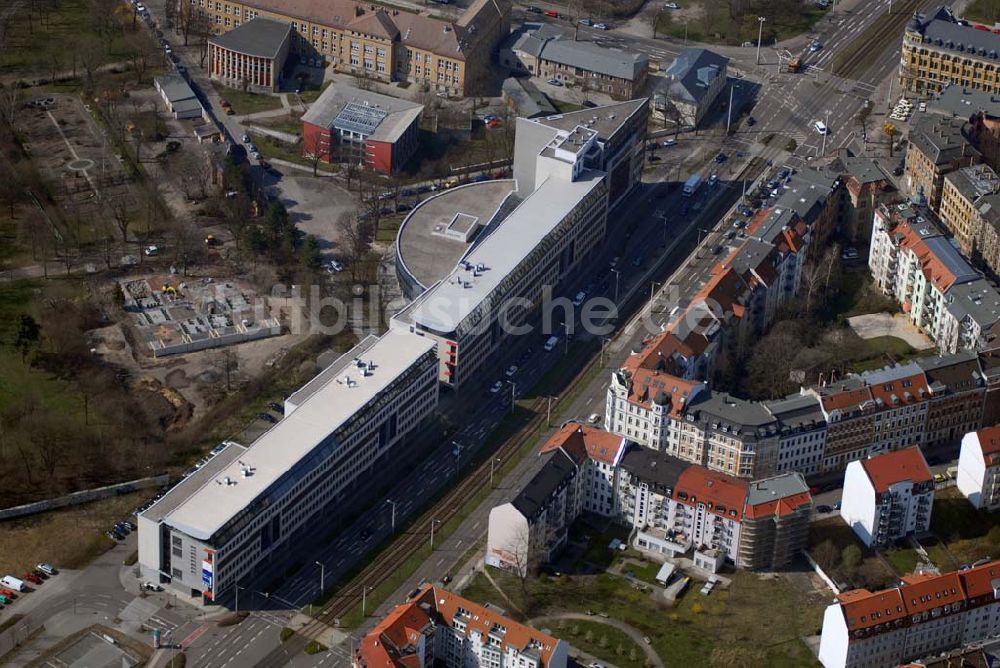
(251,56)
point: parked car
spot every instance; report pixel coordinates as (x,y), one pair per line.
(720,158)
(533,9)
(333,267)
(496,387)
(585,22)
(32,578)
(594,418)
(815,46)
(554,82)
(267,417)
(150,586)
(511,371)
(671,5)
(276,407)
(669,142)
(602,26)
(150,251)
(751,121)
(824,509)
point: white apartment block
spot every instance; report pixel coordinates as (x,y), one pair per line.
(979,468)
(214,528)
(580,474)
(925,615)
(942,294)
(439,628)
(888,496)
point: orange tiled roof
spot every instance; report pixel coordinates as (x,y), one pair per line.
(722,494)
(845,399)
(393,640)
(778,507)
(919,593)
(646,386)
(897,466)
(581,442)
(989,443)
(907,390)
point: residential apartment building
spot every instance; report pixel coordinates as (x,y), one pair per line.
(251,56)
(246,505)
(690,86)
(350,125)
(578,475)
(439,628)
(888,496)
(447,57)
(938,50)
(986,245)
(939,290)
(979,468)
(542,232)
(866,187)
(924,615)
(981,109)
(549,52)
(965,191)
(957,387)
(937,146)
(676,508)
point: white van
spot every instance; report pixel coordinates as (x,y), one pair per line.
(551,344)
(820,127)
(11,582)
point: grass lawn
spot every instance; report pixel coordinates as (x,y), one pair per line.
(724,628)
(878,348)
(724,30)
(41,47)
(292,123)
(271,148)
(904,560)
(68,538)
(969,534)
(311,95)
(564,107)
(387,229)
(247,103)
(601,640)
(985,11)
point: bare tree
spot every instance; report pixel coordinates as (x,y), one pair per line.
(228,362)
(653,18)
(122,214)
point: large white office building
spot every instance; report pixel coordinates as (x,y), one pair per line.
(217,526)
(478,260)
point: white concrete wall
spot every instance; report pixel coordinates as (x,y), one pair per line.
(507,538)
(971,470)
(833,642)
(858,502)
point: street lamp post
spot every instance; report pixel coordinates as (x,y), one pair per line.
(364,598)
(513,388)
(548,411)
(322,577)
(729,116)
(565,326)
(494,460)
(393,521)
(760,35)
(617,274)
(826,131)
(433,522)
(238,598)
(458,455)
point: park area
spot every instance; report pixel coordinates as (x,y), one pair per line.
(606,589)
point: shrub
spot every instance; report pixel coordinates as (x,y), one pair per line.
(132,558)
(286,633)
(314,648)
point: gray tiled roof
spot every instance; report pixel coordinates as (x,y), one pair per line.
(942,30)
(258,37)
(962,102)
(529,102)
(536,494)
(594,58)
(940,139)
(974,181)
(976,300)
(693,71)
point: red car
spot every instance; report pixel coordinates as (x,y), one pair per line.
(32,578)
(8,593)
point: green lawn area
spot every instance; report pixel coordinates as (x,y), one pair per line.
(904,560)
(601,640)
(722,29)
(272,148)
(312,94)
(247,103)
(564,107)
(387,229)
(727,627)
(32,45)
(876,349)
(969,534)
(292,123)
(985,11)
(19,381)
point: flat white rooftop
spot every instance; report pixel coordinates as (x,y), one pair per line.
(276,451)
(443,307)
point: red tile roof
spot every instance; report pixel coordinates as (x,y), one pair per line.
(897,466)
(393,640)
(722,494)
(907,390)
(919,593)
(989,443)
(845,400)
(778,507)
(581,442)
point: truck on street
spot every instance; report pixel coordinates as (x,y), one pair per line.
(691,185)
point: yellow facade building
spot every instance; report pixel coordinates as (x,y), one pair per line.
(939,50)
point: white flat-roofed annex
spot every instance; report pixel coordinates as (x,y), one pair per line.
(278,449)
(444,306)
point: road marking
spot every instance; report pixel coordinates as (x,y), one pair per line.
(197,633)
